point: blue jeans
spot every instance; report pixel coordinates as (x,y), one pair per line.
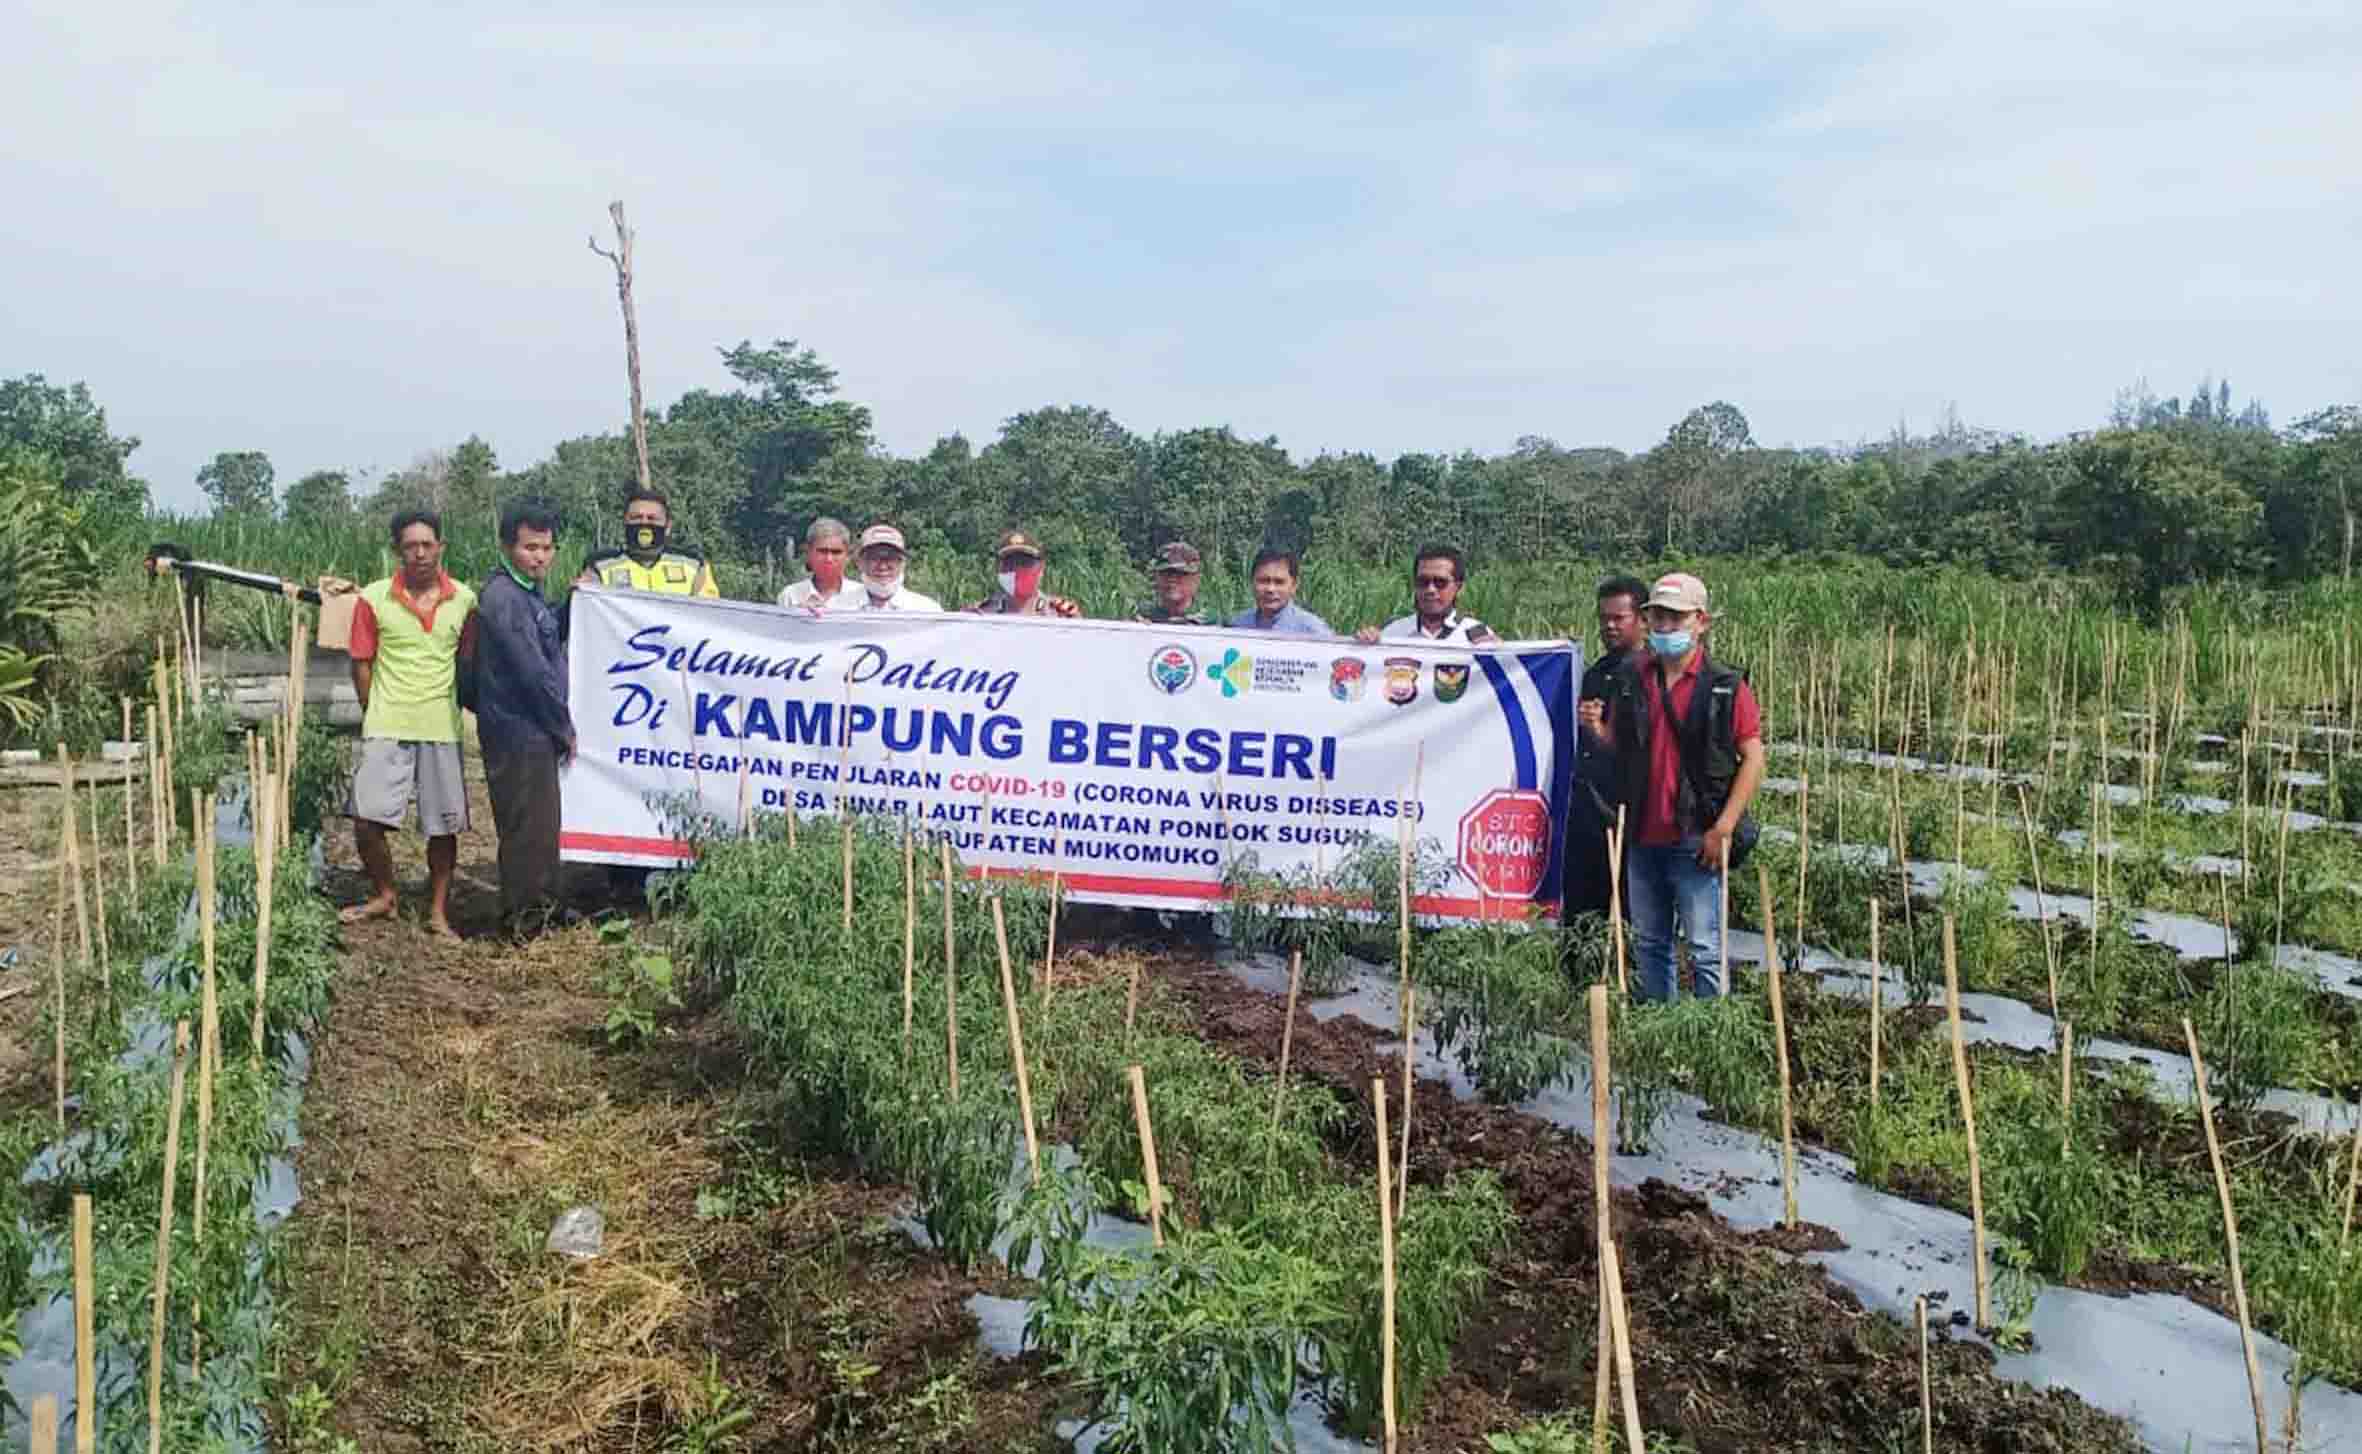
(1662,885)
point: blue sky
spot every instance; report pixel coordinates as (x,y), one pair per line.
(346,235)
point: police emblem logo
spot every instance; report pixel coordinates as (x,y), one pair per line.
(1172,669)
(1451,680)
(1402,680)
(1348,675)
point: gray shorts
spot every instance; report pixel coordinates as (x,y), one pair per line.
(389,775)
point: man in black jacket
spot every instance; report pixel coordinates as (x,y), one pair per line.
(519,669)
(1592,815)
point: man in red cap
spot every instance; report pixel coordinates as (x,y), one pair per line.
(1688,742)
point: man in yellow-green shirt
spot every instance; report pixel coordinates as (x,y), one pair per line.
(405,650)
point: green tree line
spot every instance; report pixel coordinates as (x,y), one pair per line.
(2167,492)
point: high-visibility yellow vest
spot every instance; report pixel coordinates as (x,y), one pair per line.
(671,573)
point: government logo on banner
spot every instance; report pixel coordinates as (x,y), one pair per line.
(1173,668)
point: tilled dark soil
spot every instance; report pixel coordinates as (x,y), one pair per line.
(1738,1346)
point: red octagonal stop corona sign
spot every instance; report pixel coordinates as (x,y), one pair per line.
(1505,842)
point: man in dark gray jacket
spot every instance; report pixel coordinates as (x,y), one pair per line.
(518,668)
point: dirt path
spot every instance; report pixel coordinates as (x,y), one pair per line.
(463,1096)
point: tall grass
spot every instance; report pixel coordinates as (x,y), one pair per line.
(1794,624)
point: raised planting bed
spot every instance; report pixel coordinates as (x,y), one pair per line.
(1269,1270)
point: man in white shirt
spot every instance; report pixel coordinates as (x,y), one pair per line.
(883,560)
(1437,574)
(827,545)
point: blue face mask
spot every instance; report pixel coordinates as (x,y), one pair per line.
(1670,643)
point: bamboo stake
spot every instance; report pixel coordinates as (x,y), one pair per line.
(209,1025)
(157,832)
(1156,1187)
(1402,1163)
(1612,1277)
(1804,849)
(1968,1117)
(2091,974)
(1131,1001)
(208,928)
(845,855)
(130,830)
(2353,1178)
(1287,1041)
(1385,1265)
(910,931)
(86,1416)
(984,838)
(1000,939)
(2246,750)
(1599,1211)
(1402,900)
(299,658)
(951,997)
(44,1431)
(1877,1010)
(2050,953)
(1615,908)
(1779,1009)
(2280,889)
(98,887)
(57,970)
(1927,1415)
(266,874)
(184,656)
(180,1070)
(2222,1186)
(1057,884)
(2067,1082)
(65,769)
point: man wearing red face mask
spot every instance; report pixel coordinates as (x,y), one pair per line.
(1020,592)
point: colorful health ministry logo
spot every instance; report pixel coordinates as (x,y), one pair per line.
(1173,669)
(1235,671)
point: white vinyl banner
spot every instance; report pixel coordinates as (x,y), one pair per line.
(1139,762)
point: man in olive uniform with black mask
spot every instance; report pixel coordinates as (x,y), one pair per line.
(649,560)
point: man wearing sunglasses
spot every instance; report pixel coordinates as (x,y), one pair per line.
(1437,574)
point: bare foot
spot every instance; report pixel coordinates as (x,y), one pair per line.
(440,927)
(381,907)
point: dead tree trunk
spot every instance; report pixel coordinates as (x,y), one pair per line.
(622,259)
